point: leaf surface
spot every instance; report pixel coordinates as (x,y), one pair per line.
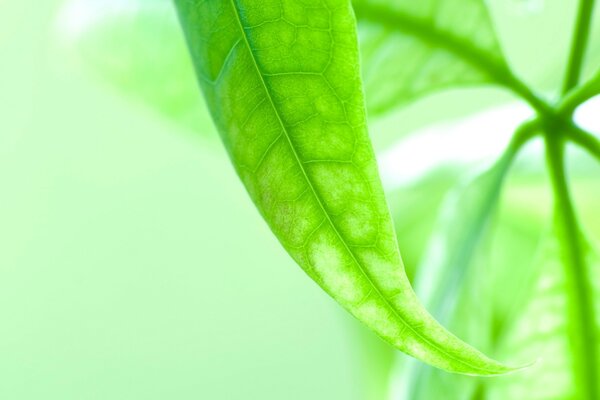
(463,222)
(450,278)
(546,329)
(282,81)
(425,46)
(494,287)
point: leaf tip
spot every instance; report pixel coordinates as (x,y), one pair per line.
(503,370)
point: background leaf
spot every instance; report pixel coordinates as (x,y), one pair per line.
(542,330)
(451,273)
(516,306)
(424,46)
(413,209)
(481,295)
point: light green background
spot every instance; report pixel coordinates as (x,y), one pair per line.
(132,265)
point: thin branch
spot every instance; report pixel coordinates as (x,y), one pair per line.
(579,44)
(584,139)
(579,95)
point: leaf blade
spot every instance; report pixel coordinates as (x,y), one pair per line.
(452,269)
(547,327)
(453,43)
(291,73)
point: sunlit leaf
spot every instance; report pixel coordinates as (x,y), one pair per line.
(282,81)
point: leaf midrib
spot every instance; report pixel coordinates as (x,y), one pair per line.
(321,203)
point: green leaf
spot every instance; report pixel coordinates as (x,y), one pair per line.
(547,328)
(411,207)
(136,46)
(282,81)
(462,225)
(452,271)
(491,295)
(425,46)
(463,222)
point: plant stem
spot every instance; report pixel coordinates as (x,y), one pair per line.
(519,88)
(579,44)
(585,140)
(579,96)
(581,315)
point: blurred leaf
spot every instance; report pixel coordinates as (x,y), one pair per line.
(414,208)
(425,46)
(517,237)
(491,295)
(282,81)
(543,331)
(137,46)
(462,224)
(446,276)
